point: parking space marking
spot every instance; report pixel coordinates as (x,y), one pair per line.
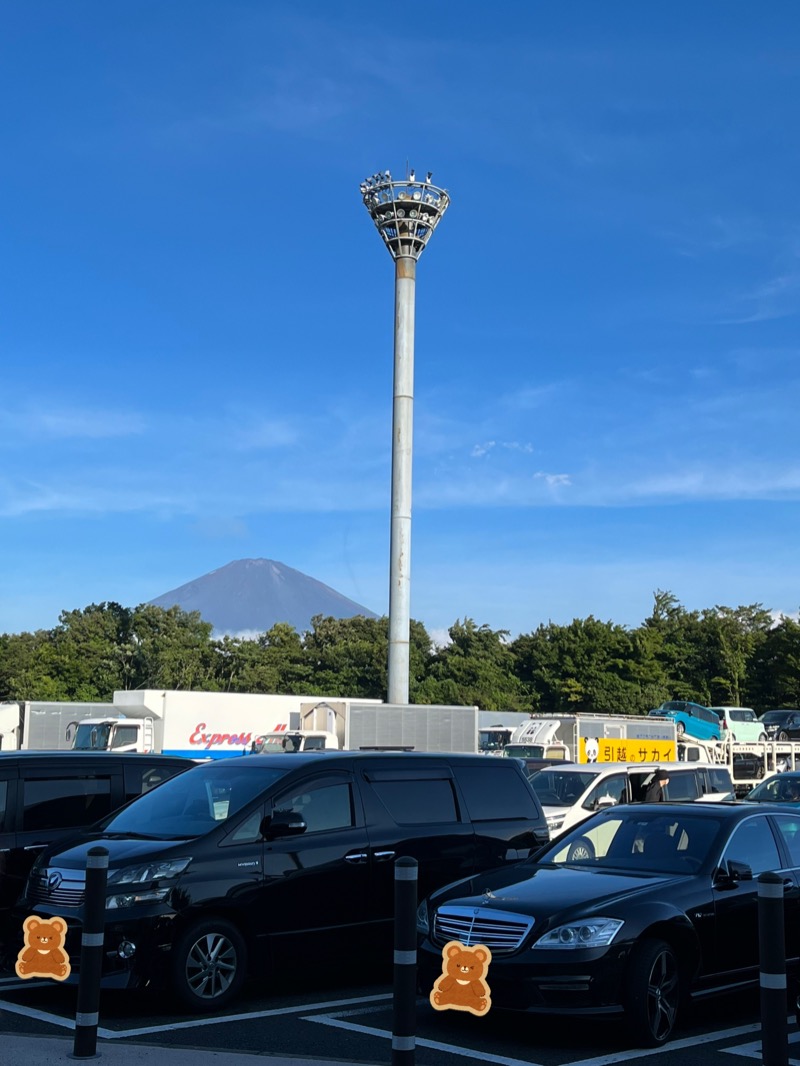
(337,1020)
(120,1034)
(754,1050)
(435,1045)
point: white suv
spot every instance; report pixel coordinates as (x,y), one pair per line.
(570,792)
(740,723)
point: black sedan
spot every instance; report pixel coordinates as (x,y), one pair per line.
(631,912)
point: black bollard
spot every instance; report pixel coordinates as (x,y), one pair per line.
(774,1033)
(87,1016)
(405,962)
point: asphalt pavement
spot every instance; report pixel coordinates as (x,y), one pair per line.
(46,1051)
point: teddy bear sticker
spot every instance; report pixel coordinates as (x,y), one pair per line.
(43,954)
(462,985)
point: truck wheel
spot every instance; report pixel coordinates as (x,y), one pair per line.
(208,965)
(652,992)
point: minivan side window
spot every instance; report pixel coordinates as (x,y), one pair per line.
(612,789)
(322,807)
(491,794)
(64,802)
(415,798)
(143,776)
(682,785)
(3,803)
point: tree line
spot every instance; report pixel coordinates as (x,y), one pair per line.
(720,655)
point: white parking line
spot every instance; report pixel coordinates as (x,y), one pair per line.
(336,1020)
(120,1034)
(754,1051)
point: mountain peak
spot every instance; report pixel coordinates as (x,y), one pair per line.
(252,595)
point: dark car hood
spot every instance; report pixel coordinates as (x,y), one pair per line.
(121,852)
(549,890)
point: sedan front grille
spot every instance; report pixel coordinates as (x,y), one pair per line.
(500,931)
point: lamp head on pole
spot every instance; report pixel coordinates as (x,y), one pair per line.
(405,212)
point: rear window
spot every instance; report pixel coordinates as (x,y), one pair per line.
(496,794)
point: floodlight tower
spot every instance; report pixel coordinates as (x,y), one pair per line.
(406,213)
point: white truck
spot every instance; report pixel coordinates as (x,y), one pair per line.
(199,725)
(595,738)
(42,724)
(495,729)
(358,725)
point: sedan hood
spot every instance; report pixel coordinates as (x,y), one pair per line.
(549,890)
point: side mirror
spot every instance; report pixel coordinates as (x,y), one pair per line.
(738,871)
(282,823)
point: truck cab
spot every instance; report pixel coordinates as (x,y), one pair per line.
(295,740)
(112,734)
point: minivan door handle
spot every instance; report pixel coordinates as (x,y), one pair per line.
(356,857)
(383,856)
(34,847)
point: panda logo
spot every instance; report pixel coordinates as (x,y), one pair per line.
(592,748)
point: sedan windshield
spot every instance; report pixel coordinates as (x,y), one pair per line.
(194,802)
(639,838)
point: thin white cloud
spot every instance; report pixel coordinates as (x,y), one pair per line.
(69,423)
(480,450)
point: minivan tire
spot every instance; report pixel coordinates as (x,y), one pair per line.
(680,728)
(209,963)
(653,992)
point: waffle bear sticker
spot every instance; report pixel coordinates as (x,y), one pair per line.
(43,954)
(462,985)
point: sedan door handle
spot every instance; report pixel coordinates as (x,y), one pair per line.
(383,856)
(356,857)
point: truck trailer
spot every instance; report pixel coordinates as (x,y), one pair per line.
(595,738)
(198,725)
(360,725)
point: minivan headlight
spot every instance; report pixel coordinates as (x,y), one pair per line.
(137,877)
(147,871)
(589,933)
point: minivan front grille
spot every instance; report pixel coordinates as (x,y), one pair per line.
(56,888)
(500,931)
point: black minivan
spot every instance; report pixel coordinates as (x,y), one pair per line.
(48,796)
(242,864)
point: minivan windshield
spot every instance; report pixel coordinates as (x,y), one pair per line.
(194,802)
(561,787)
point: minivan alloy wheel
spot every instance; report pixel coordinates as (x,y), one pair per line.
(209,964)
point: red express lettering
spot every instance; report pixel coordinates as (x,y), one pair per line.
(215,740)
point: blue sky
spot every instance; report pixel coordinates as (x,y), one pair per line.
(196,311)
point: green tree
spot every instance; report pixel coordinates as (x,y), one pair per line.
(476,667)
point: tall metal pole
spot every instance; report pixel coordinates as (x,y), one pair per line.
(406,214)
(402,453)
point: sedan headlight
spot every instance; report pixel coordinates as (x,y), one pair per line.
(423,925)
(589,933)
(140,881)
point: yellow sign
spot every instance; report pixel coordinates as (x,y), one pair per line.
(618,749)
(462,985)
(43,954)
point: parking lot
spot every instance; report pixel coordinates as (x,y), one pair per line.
(353,1023)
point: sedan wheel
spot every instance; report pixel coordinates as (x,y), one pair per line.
(208,965)
(653,992)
